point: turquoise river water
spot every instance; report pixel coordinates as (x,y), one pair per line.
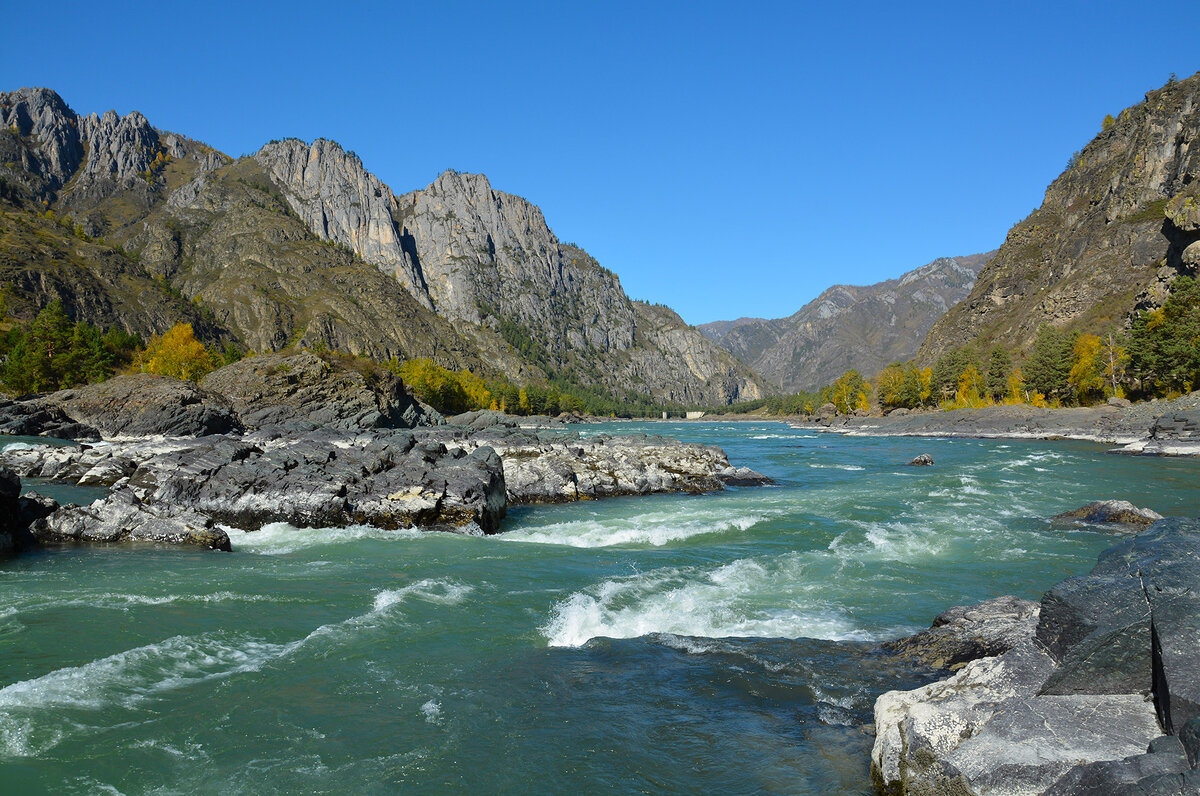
(668,644)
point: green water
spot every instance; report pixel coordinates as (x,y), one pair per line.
(627,645)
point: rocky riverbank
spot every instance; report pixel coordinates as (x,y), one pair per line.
(297,439)
(1092,691)
(1164,428)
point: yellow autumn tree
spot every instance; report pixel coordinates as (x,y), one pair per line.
(1087,376)
(971,388)
(926,385)
(177,353)
(889,385)
(1015,394)
(849,392)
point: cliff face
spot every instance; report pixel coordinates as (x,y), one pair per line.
(1103,242)
(850,327)
(483,257)
(299,244)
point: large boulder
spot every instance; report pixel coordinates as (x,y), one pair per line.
(327,477)
(334,391)
(122,517)
(988,730)
(1079,709)
(10,510)
(37,418)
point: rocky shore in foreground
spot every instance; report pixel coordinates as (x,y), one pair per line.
(1094,690)
(1160,428)
(293,439)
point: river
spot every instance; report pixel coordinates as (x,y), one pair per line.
(678,644)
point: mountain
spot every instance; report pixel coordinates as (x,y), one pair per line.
(1112,232)
(849,327)
(299,244)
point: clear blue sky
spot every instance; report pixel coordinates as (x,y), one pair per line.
(725,158)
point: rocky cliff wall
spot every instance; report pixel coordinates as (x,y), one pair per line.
(1101,244)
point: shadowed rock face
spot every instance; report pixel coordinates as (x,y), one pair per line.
(1105,241)
(850,327)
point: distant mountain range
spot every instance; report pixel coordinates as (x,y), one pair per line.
(299,244)
(849,327)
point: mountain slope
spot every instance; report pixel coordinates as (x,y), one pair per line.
(1103,242)
(850,327)
(300,244)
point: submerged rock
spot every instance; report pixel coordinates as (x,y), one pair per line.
(1112,511)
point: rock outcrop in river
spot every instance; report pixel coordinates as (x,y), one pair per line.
(1094,691)
(329,446)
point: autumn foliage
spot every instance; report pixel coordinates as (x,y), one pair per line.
(177,353)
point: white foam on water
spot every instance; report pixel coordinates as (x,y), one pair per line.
(654,528)
(281,538)
(820,466)
(742,598)
(432,711)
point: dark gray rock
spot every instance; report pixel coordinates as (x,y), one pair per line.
(122,517)
(10,510)
(1112,511)
(924,460)
(987,730)
(327,478)
(277,389)
(34,506)
(1163,769)
(134,405)
(34,418)
(962,634)
(1082,709)
(484,418)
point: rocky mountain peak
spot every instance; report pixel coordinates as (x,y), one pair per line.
(55,148)
(341,201)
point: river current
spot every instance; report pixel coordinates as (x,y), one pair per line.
(678,644)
